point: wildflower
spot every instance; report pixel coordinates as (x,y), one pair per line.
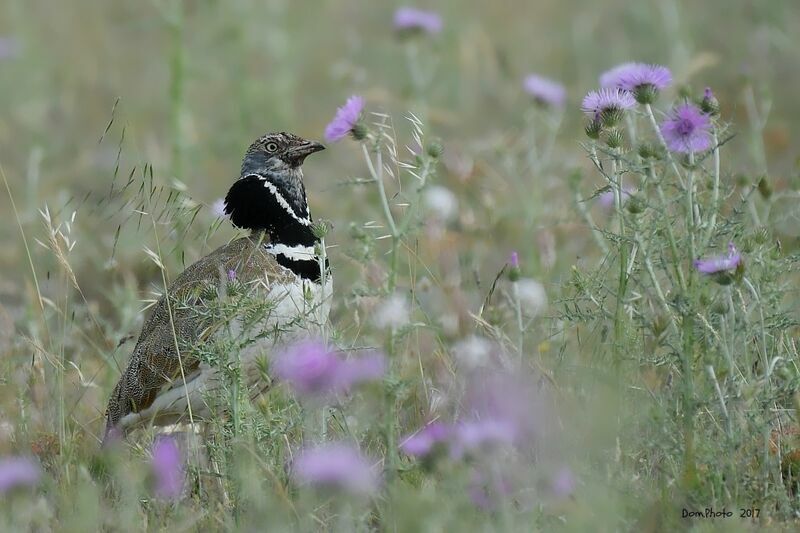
(168,468)
(532,296)
(643,80)
(393,313)
(687,129)
(709,104)
(486,493)
(722,263)
(335,466)
(231,274)
(218,208)
(505,406)
(313,370)
(346,120)
(423,442)
(18,472)
(606,199)
(607,105)
(563,482)
(513,261)
(413,20)
(9,47)
(441,201)
(545,91)
(610,79)
(473,435)
(473,351)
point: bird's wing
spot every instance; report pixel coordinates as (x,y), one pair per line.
(176,324)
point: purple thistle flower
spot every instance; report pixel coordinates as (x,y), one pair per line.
(231,274)
(513,259)
(413,19)
(505,409)
(168,468)
(606,101)
(346,118)
(309,367)
(632,76)
(9,47)
(336,466)
(474,435)
(422,443)
(707,93)
(486,493)
(687,129)
(563,482)
(610,78)
(606,199)
(313,370)
(721,263)
(546,91)
(18,472)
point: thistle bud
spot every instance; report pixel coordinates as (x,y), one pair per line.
(709,104)
(359,131)
(514,272)
(611,117)
(645,94)
(614,138)
(435,148)
(635,204)
(321,228)
(764,188)
(593,129)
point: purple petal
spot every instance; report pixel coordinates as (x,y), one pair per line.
(410,18)
(545,90)
(563,482)
(687,129)
(640,74)
(18,472)
(422,442)
(596,102)
(345,119)
(167,465)
(335,465)
(721,263)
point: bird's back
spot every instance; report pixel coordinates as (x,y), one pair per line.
(164,345)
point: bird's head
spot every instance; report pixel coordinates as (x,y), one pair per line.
(269,194)
(279,153)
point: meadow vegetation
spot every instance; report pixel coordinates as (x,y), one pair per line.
(564,292)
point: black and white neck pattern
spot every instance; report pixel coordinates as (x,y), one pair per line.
(302,260)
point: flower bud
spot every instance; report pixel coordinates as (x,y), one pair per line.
(614,138)
(593,129)
(359,131)
(709,104)
(635,204)
(646,93)
(611,117)
(764,188)
(435,148)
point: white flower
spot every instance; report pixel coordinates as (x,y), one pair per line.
(218,208)
(394,312)
(532,296)
(441,202)
(473,351)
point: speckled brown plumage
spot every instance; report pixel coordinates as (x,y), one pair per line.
(154,362)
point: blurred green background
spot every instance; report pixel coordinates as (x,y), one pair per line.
(192,83)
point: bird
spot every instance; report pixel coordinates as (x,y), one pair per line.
(280,268)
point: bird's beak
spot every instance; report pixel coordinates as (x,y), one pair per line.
(299,152)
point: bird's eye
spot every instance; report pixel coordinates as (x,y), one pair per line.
(271,147)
